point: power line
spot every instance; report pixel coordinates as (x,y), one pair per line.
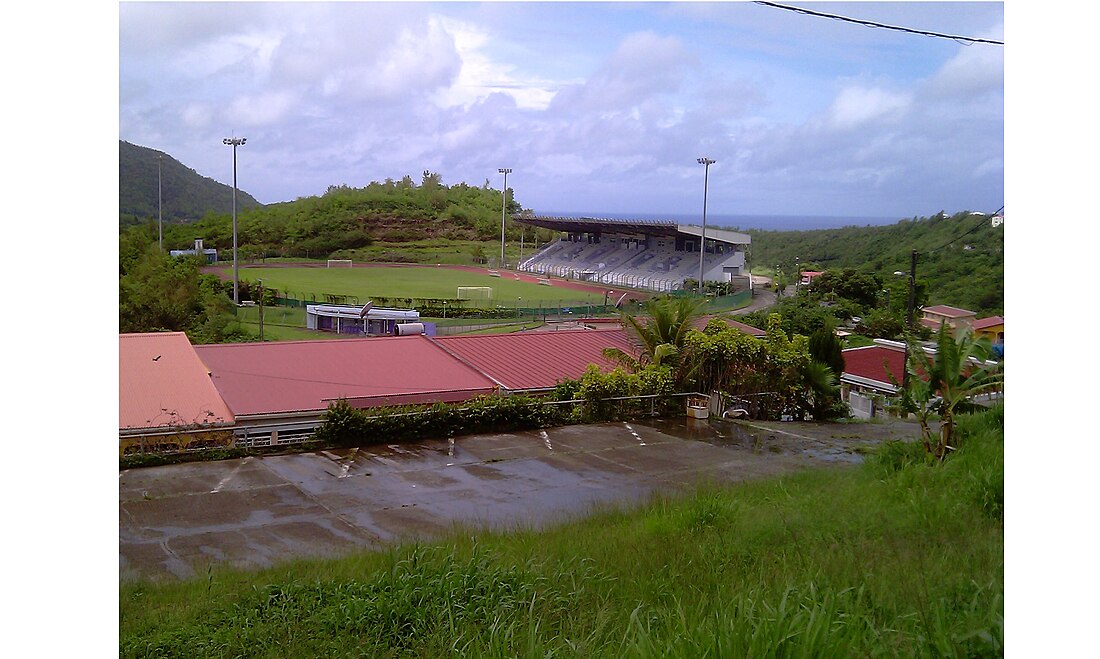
(965,40)
(972,230)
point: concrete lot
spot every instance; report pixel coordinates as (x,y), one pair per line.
(176,520)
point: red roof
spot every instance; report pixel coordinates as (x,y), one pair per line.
(162,382)
(293,376)
(875,362)
(536,360)
(950,312)
(983,323)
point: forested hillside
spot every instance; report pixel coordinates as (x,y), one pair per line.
(346,218)
(185,195)
(960,257)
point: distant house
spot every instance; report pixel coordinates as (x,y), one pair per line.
(210,255)
(939,314)
(364,321)
(993,328)
(808,277)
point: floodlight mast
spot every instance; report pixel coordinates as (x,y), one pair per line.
(503,209)
(160,207)
(706,162)
(235,142)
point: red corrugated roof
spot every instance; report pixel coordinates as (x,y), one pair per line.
(872,362)
(536,360)
(983,323)
(950,312)
(293,376)
(162,382)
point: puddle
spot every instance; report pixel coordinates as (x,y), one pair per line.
(759,439)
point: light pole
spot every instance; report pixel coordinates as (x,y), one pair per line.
(235,142)
(706,163)
(910,308)
(503,209)
(160,208)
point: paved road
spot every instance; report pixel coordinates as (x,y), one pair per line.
(175,520)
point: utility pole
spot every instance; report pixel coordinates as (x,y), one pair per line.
(261,282)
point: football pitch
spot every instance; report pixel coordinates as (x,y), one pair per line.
(404,282)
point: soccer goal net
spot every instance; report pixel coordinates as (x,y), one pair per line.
(475,292)
(339,263)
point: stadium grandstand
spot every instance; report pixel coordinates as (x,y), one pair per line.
(655,255)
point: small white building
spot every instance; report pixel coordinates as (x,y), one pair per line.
(360,321)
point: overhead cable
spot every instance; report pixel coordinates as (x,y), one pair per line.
(809,12)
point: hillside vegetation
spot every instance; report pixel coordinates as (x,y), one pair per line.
(960,257)
(185,195)
(347,218)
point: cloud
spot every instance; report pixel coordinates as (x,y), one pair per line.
(858,106)
(643,66)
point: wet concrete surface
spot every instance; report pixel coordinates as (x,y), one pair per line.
(176,520)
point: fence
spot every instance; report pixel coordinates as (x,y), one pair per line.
(292,434)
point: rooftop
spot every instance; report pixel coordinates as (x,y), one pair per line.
(536,360)
(305,376)
(162,383)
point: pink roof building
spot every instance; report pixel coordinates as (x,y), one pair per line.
(303,377)
(162,385)
(531,361)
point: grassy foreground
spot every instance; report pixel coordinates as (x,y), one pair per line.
(896,558)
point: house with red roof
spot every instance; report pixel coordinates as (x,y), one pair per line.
(869,376)
(260,394)
(165,396)
(955,318)
(279,391)
(992,328)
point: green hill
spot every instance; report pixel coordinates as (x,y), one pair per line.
(185,195)
(960,257)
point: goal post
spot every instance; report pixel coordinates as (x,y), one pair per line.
(339,263)
(475,293)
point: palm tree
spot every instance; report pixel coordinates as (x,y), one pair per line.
(945,382)
(659,330)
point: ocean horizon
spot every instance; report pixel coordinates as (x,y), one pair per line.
(745,222)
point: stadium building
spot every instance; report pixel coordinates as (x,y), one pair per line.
(656,255)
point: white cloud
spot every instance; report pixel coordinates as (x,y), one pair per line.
(857,106)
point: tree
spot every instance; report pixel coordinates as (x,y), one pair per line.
(944,383)
(660,331)
(164,293)
(825,347)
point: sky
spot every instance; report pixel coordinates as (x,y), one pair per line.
(595,107)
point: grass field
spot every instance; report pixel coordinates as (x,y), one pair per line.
(897,559)
(405,282)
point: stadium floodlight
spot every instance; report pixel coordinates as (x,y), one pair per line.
(706,163)
(160,208)
(503,208)
(235,142)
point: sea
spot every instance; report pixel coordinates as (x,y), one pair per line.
(743,222)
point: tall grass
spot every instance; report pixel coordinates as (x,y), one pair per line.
(901,558)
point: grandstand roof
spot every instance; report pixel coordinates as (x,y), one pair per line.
(304,376)
(162,383)
(524,361)
(650,227)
